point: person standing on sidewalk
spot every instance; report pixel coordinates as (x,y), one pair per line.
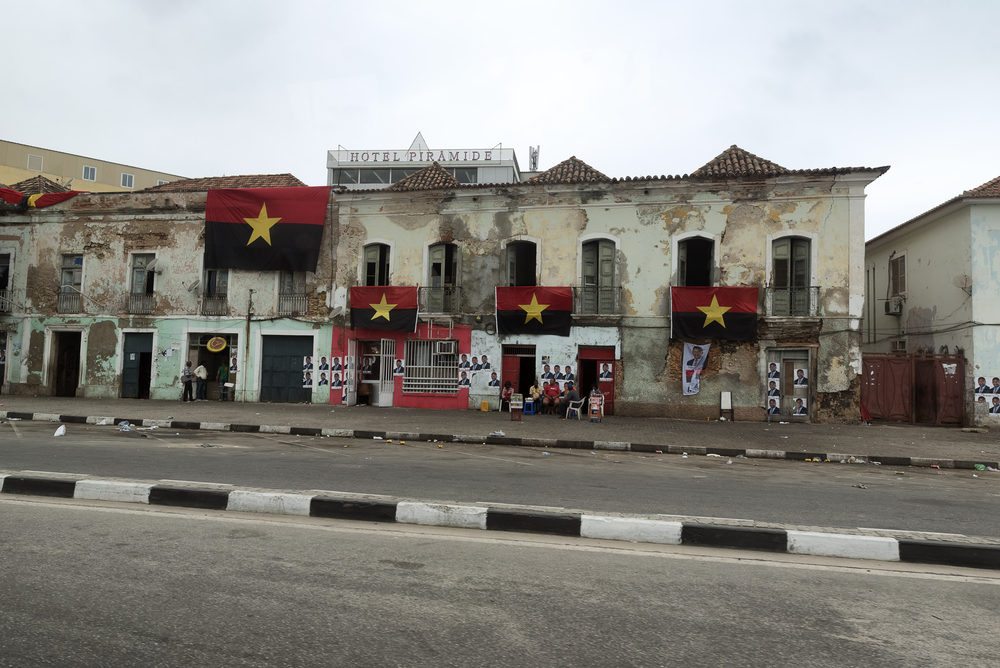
(201,373)
(187,377)
(223,379)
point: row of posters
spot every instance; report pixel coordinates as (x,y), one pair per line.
(989,394)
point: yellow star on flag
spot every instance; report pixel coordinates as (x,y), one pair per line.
(714,312)
(533,311)
(382,309)
(261,225)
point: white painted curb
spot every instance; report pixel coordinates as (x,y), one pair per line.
(215,426)
(612,445)
(268,429)
(441,515)
(627,528)
(842,545)
(45,417)
(269,502)
(102,490)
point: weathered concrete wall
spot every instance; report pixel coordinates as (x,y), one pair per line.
(645,220)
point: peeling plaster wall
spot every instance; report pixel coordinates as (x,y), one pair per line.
(106,229)
(644,219)
(985,261)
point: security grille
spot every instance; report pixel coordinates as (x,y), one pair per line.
(519,351)
(429,371)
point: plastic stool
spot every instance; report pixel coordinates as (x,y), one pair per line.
(529,407)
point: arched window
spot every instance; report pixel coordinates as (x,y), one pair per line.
(442,278)
(521,263)
(790,276)
(695,261)
(598,291)
(376,268)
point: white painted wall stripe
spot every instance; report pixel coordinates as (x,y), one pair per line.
(843,545)
(630,528)
(106,490)
(269,502)
(441,515)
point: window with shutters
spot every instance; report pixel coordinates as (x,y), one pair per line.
(141,284)
(441,294)
(790,292)
(292,297)
(695,261)
(598,289)
(521,263)
(897,276)
(70,284)
(215,296)
(376,264)
(5,293)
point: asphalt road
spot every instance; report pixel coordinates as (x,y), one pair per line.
(114,586)
(785,492)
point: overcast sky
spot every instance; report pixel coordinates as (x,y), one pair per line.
(632,88)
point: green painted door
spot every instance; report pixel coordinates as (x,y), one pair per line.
(138,350)
(282,369)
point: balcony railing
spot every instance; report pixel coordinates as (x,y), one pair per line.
(140,304)
(593,300)
(293,304)
(791,302)
(70,302)
(215,304)
(6,302)
(440,300)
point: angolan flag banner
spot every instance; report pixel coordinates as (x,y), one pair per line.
(534,310)
(714,313)
(36,201)
(384,307)
(265,229)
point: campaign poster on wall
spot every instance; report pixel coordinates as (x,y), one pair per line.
(693,365)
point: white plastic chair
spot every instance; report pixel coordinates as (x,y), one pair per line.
(575,407)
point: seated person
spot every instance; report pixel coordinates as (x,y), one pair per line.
(550,397)
(534,393)
(506,394)
(569,395)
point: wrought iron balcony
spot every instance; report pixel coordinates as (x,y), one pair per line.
(293,303)
(6,301)
(593,300)
(446,299)
(215,304)
(70,302)
(141,304)
(792,302)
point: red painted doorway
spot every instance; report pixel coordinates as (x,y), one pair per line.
(518,367)
(597,367)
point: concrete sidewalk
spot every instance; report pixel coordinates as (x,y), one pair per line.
(892,443)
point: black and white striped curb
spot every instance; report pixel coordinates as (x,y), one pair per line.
(526,520)
(622,446)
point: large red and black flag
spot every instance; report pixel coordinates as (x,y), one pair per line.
(265,229)
(714,313)
(36,201)
(534,310)
(384,307)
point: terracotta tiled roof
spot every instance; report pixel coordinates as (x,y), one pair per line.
(432,177)
(38,185)
(216,182)
(735,162)
(571,170)
(988,189)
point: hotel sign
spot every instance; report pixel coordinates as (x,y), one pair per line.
(464,156)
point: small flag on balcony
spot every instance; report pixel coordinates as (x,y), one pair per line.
(714,313)
(534,310)
(384,307)
(265,229)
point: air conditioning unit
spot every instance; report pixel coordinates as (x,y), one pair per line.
(444,347)
(894,306)
(898,346)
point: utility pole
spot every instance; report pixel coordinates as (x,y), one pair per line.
(246,347)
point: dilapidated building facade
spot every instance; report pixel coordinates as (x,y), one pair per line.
(933,295)
(107,295)
(620,244)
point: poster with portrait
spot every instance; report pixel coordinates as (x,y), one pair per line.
(799,408)
(464,380)
(773,388)
(607,373)
(546,371)
(801,379)
(369,368)
(307,364)
(464,363)
(494,380)
(307,379)
(693,363)
(323,380)
(397,368)
(337,382)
